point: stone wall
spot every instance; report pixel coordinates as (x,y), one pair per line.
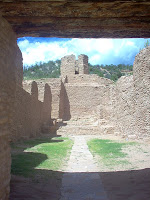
(23,113)
(10,64)
(123,102)
(68,65)
(83,64)
(84,96)
(30,113)
(88,79)
(55,87)
(141,76)
(130,98)
(64,104)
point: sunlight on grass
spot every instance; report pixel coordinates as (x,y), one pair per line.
(46,154)
(110,152)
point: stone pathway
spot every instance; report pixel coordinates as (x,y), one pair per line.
(81,180)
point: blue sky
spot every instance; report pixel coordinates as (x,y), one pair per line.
(100,51)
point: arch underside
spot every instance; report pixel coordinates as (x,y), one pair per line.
(78,19)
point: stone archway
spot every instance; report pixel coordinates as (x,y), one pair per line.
(90,19)
(62,19)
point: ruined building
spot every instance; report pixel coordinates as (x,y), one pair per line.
(26,109)
(90,104)
(71,66)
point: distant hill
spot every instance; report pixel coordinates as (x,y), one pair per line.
(112,72)
(51,69)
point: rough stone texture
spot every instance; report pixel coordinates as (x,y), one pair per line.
(10,61)
(83,64)
(86,102)
(22,114)
(122,108)
(71,66)
(90,79)
(68,65)
(68,18)
(55,87)
(123,102)
(130,99)
(31,114)
(141,76)
(85,93)
(96,105)
(64,105)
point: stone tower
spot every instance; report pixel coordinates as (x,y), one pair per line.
(71,66)
(68,65)
(83,64)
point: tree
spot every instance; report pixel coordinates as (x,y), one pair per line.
(147,43)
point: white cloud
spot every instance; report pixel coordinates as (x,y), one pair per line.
(130,43)
(100,51)
(90,45)
(95,59)
(23,44)
(41,52)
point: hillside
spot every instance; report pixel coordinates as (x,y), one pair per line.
(51,69)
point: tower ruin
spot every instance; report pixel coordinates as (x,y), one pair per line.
(71,66)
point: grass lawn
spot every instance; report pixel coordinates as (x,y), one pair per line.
(109,151)
(37,156)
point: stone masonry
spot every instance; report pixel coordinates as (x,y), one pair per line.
(122,108)
(93,105)
(78,19)
(10,62)
(68,65)
(141,77)
(85,104)
(22,115)
(83,64)
(71,66)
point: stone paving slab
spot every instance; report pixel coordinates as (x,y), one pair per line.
(81,180)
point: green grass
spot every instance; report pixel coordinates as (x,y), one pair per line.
(109,151)
(39,155)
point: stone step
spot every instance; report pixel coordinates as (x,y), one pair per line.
(107,129)
(81,122)
(87,130)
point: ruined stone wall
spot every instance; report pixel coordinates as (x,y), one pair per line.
(83,64)
(68,64)
(130,98)
(31,113)
(88,79)
(141,76)
(123,102)
(55,87)
(84,97)
(71,66)
(64,104)
(10,61)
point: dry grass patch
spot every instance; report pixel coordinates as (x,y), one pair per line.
(114,155)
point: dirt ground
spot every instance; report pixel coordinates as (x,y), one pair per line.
(129,182)
(27,189)
(127,185)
